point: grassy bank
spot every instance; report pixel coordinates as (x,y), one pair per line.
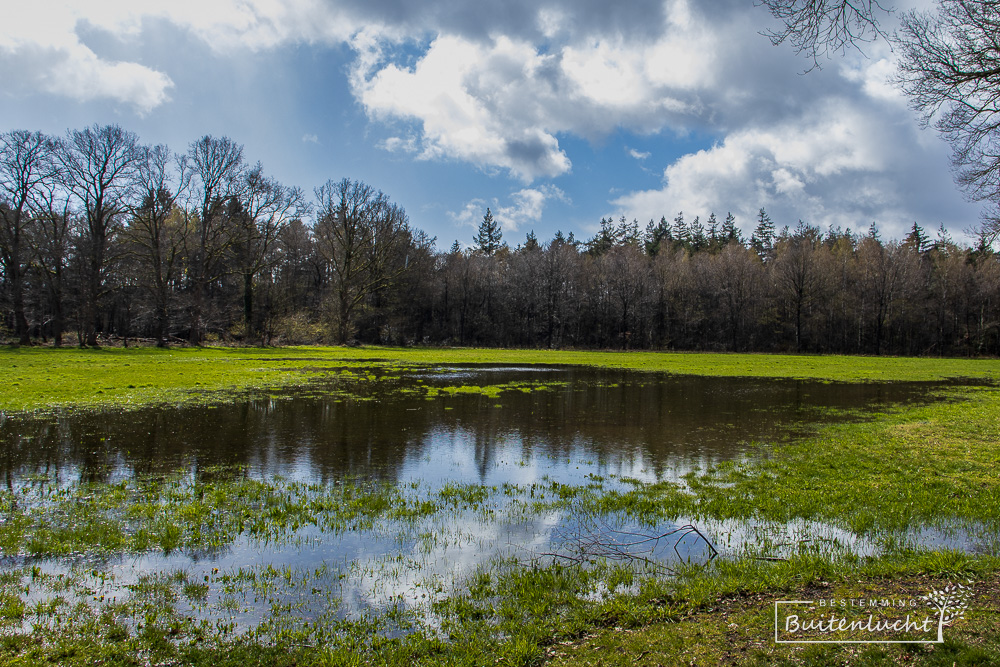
(41,378)
(909,469)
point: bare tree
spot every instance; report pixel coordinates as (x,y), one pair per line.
(884,273)
(987,303)
(27,164)
(798,273)
(949,67)
(99,165)
(627,271)
(558,285)
(737,276)
(358,231)
(261,211)
(217,166)
(50,240)
(158,230)
(458,289)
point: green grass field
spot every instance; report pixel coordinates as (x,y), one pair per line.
(41,378)
(911,467)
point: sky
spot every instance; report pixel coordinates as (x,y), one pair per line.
(553,113)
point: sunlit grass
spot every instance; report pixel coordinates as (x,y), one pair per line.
(879,479)
(43,378)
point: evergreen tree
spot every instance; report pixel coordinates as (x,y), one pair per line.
(489,238)
(917,240)
(682,233)
(531,242)
(984,244)
(698,238)
(763,236)
(456,248)
(605,239)
(713,229)
(944,241)
(729,231)
(657,236)
(873,232)
(628,232)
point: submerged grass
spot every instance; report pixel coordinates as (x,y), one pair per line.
(905,470)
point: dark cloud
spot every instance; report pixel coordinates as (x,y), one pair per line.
(525,19)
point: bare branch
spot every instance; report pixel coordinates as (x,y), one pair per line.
(820,27)
(950,69)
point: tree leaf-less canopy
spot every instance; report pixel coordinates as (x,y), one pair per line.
(818,27)
(950,69)
(949,66)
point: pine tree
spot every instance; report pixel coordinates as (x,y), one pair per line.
(917,240)
(681,230)
(605,239)
(698,238)
(729,231)
(713,229)
(873,233)
(763,236)
(657,236)
(628,232)
(531,242)
(944,242)
(489,238)
(456,248)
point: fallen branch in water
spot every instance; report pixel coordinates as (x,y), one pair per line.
(600,541)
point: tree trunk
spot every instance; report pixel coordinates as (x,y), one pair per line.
(197,299)
(248,302)
(20,321)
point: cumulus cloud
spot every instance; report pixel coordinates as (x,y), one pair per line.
(502,101)
(40,50)
(41,47)
(837,164)
(523,207)
(455,121)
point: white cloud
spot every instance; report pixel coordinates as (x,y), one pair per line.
(833,165)
(455,122)
(400,144)
(502,102)
(524,206)
(40,50)
(639,155)
(310,139)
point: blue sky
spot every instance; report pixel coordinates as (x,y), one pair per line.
(554,113)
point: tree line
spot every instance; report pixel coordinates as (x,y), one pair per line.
(102,237)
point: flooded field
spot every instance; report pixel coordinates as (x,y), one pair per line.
(377,496)
(469,425)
